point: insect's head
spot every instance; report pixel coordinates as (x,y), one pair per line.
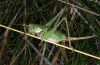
(34,28)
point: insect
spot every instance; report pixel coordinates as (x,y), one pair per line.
(52,34)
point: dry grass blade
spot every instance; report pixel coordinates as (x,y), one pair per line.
(79,8)
(37,51)
(14,59)
(56,55)
(50,42)
(37,56)
(7,33)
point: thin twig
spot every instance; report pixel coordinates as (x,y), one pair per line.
(84,53)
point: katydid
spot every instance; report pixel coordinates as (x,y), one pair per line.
(51,34)
(40,30)
(54,35)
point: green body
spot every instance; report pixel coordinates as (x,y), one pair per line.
(54,36)
(44,31)
(50,35)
